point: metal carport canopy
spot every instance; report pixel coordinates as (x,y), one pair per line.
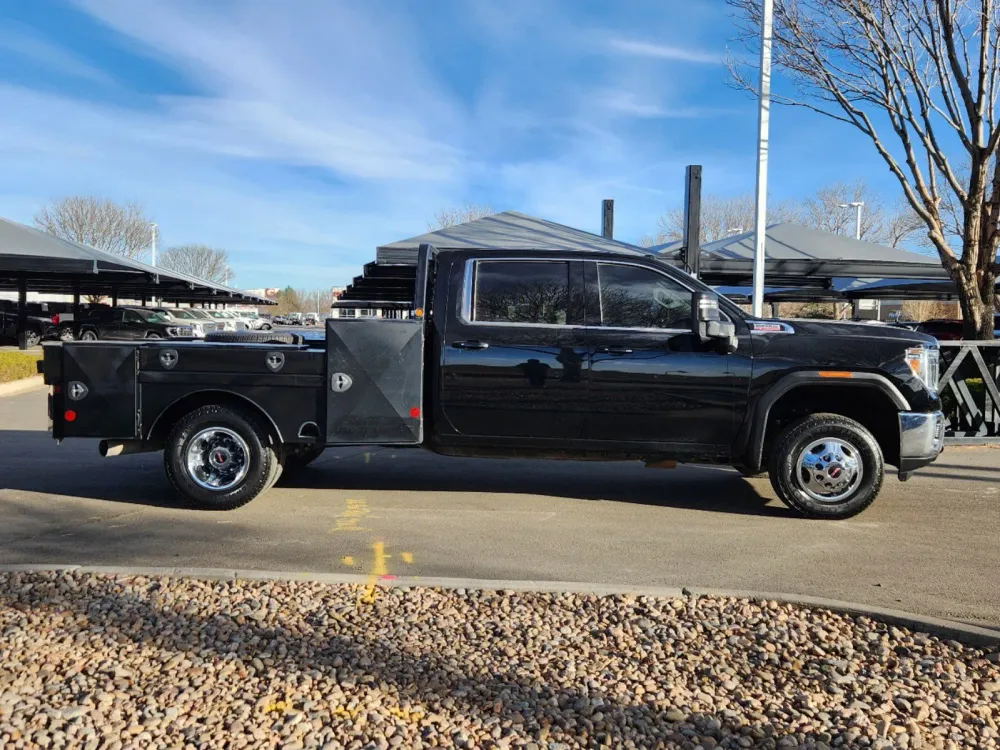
(799,256)
(44,263)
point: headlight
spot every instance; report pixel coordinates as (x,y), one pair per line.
(925,363)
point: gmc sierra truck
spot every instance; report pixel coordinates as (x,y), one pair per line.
(568,355)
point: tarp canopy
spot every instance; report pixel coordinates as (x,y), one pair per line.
(800,256)
(50,264)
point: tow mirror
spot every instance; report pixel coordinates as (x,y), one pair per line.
(707,323)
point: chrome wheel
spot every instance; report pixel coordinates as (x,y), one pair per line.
(89,336)
(32,339)
(66,334)
(217,459)
(829,470)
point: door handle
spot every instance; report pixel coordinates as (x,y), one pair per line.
(613,350)
(471,345)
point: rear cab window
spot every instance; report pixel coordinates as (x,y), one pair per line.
(522,292)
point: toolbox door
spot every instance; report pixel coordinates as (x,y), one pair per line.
(99,388)
(374,381)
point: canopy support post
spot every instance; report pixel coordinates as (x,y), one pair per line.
(114,295)
(22,313)
(76,295)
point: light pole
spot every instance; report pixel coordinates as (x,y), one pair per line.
(857,235)
(763,129)
(858,205)
(153,228)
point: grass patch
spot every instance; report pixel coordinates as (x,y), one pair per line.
(17,365)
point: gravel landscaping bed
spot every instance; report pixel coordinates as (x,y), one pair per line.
(133,662)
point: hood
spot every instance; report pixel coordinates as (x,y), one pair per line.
(857,330)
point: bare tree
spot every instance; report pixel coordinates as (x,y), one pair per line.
(723,217)
(122,229)
(830,209)
(449,217)
(208,263)
(919,78)
(720,217)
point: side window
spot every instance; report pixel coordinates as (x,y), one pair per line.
(132,317)
(633,297)
(520,291)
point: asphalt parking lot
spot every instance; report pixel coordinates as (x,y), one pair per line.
(928,546)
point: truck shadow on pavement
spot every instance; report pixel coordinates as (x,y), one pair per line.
(348,645)
(75,469)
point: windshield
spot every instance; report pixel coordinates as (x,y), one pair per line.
(199,313)
(183,314)
(220,314)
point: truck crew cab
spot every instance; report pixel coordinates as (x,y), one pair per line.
(570,355)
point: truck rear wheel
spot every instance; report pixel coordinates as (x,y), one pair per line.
(220,458)
(826,466)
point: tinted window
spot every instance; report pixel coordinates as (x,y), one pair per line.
(521,292)
(633,297)
(131,316)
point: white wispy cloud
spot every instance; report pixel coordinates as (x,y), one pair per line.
(307,139)
(24,42)
(641,48)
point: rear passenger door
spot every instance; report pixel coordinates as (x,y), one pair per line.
(514,354)
(653,381)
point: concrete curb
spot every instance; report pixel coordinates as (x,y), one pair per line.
(970,635)
(21,386)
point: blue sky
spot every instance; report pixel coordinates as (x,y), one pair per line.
(299,135)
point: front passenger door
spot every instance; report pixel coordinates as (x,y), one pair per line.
(653,382)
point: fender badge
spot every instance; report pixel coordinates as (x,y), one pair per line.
(275,361)
(168,358)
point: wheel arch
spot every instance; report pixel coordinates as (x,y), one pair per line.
(879,399)
(169,416)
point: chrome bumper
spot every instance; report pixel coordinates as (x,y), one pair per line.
(921,439)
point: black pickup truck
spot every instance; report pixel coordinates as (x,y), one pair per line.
(567,355)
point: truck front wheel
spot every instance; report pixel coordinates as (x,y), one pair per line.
(826,466)
(220,458)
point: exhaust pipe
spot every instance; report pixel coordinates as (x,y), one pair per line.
(109,448)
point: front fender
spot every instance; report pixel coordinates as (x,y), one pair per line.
(750,441)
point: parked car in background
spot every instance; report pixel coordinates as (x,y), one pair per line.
(229,321)
(186,317)
(279,320)
(129,323)
(942,330)
(41,323)
(294,318)
(311,319)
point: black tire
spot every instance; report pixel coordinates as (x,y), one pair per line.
(856,445)
(153,336)
(260,457)
(32,338)
(89,334)
(265,327)
(66,333)
(253,337)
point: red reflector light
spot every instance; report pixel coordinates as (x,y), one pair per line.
(55,319)
(69,415)
(57,389)
(415,412)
